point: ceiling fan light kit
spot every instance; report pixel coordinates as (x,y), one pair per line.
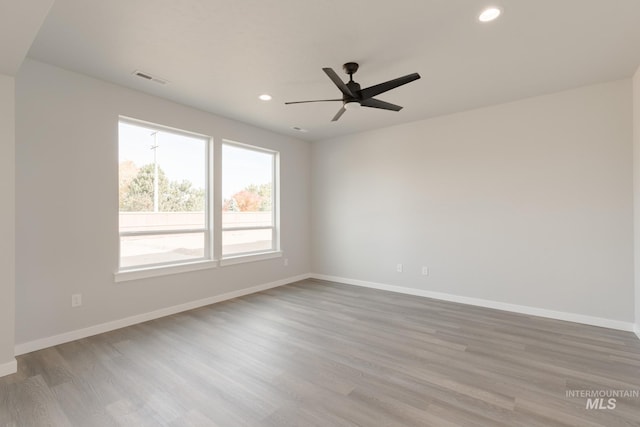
(352,105)
(353,97)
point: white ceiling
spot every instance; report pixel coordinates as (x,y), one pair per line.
(220,55)
(19,24)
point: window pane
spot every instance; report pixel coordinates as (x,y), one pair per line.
(247,219)
(143,250)
(240,241)
(247,187)
(162,187)
(161,172)
(158,221)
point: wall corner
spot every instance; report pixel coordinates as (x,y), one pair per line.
(636,196)
(7,225)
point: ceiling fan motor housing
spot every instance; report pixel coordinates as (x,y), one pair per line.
(355,89)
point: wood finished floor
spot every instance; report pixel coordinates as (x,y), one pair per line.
(323,354)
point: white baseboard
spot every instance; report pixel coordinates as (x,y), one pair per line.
(8,368)
(522,309)
(39,344)
(27,347)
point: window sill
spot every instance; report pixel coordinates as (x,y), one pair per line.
(250,258)
(157,271)
(143,273)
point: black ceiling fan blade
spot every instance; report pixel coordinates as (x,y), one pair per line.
(372,91)
(339,114)
(338,82)
(376,103)
(315,100)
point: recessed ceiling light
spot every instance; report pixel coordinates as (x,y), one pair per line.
(489,14)
(265,97)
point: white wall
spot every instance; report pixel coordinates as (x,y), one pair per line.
(7,223)
(67,204)
(526,203)
(636,192)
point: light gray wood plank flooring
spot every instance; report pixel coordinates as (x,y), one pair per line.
(318,353)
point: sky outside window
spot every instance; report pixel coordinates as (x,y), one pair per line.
(177,155)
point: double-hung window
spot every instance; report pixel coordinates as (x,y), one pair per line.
(163,196)
(249,214)
(167,188)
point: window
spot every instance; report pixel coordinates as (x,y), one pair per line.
(163,195)
(248,200)
(166,194)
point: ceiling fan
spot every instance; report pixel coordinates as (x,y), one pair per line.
(354,97)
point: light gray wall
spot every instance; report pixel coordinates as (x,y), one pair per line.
(527,203)
(7,218)
(636,192)
(67,204)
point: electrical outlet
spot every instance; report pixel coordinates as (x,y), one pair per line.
(399,268)
(76,300)
(425,271)
(286,262)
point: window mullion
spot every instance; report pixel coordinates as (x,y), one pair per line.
(261,227)
(161,232)
(216,161)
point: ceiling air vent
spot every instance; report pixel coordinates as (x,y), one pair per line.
(149,77)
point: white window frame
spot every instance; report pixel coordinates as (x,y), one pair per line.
(274,251)
(213,214)
(170,267)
